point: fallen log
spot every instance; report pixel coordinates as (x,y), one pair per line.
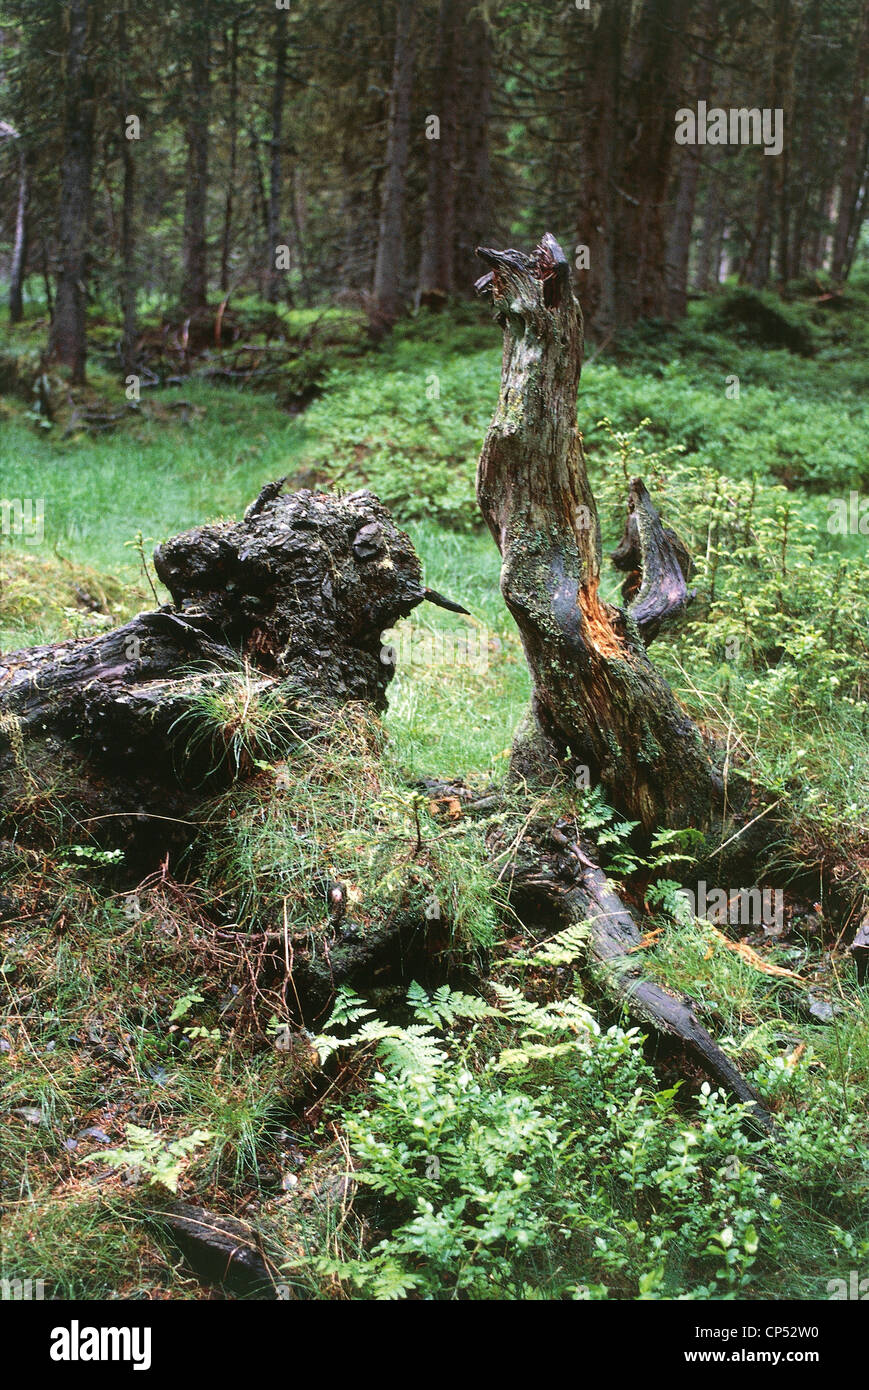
(220,1249)
(568,886)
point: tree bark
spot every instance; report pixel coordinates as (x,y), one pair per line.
(706,276)
(859,213)
(598,159)
(128,213)
(849,177)
(474,173)
(809,153)
(68,338)
(226,242)
(390,239)
(435,280)
(18,268)
(648,134)
(194,288)
(274,277)
(756,268)
(690,161)
(597,698)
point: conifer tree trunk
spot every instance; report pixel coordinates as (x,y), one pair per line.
(648,134)
(849,178)
(68,343)
(598,156)
(194,290)
(439,228)
(226,245)
(273,275)
(128,209)
(390,238)
(18,266)
(690,160)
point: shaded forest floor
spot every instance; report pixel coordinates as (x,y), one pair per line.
(587,1173)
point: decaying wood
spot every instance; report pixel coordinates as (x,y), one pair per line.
(297,594)
(657,565)
(569,885)
(221,1249)
(614,935)
(597,699)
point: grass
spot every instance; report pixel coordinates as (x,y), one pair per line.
(94,972)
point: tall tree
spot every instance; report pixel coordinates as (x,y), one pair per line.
(851,170)
(597,161)
(127,246)
(68,340)
(232,117)
(652,90)
(274,277)
(688,177)
(18,264)
(756,268)
(436,264)
(194,286)
(390,236)
(474,210)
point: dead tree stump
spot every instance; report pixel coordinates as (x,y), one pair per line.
(597,700)
(297,594)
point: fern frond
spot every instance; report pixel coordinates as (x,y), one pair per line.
(565,947)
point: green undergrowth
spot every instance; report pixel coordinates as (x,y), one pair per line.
(512,1148)
(336,808)
(520,1145)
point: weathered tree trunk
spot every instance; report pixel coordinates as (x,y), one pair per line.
(554,876)
(194,288)
(597,699)
(390,238)
(17,269)
(68,341)
(275,277)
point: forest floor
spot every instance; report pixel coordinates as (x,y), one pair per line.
(525,1172)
